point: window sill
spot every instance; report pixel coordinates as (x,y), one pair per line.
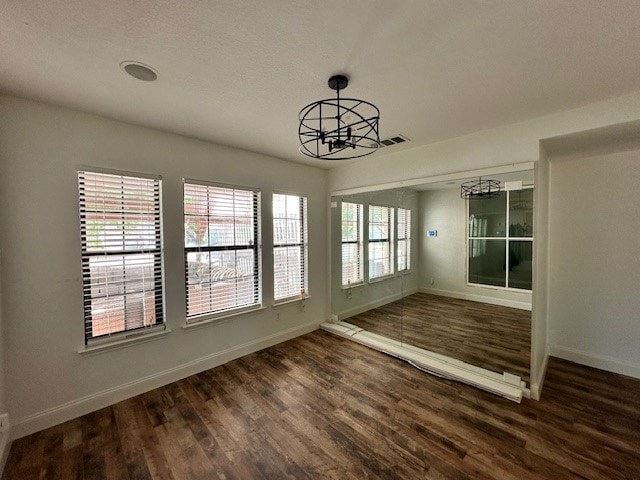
(352,285)
(208,319)
(287,301)
(381,279)
(123,342)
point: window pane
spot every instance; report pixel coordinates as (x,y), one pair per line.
(520,264)
(404,236)
(351,243)
(221,247)
(379,260)
(521,213)
(487,216)
(121,252)
(487,262)
(290,246)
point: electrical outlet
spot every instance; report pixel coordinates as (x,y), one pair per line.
(4,422)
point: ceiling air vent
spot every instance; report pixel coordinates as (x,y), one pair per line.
(387,142)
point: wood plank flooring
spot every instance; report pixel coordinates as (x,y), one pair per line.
(320,406)
(488,336)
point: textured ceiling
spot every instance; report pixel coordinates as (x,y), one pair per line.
(237,72)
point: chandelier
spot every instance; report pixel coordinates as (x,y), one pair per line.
(479,189)
(339,128)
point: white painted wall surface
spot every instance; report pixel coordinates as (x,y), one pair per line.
(443,258)
(40,146)
(505,145)
(539,348)
(594,261)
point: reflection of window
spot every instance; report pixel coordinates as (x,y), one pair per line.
(500,230)
(351,243)
(222,253)
(404,239)
(289,247)
(121,253)
(380,239)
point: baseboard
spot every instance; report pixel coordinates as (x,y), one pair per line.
(536,385)
(601,362)
(5,446)
(5,442)
(90,403)
(376,303)
(478,298)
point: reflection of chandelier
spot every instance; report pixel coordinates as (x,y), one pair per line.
(479,189)
(339,128)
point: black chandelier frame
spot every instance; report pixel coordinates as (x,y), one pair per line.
(339,128)
(480,189)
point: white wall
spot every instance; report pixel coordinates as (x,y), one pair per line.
(594,260)
(443,258)
(40,146)
(539,347)
(506,145)
(346,303)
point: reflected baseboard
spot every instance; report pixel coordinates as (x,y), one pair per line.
(477,298)
(505,385)
(365,307)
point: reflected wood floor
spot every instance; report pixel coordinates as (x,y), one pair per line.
(488,336)
(320,406)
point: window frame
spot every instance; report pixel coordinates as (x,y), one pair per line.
(159,326)
(303,245)
(216,314)
(389,240)
(507,239)
(359,242)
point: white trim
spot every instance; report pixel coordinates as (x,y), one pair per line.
(5,442)
(81,406)
(536,385)
(124,340)
(290,300)
(602,362)
(506,385)
(119,173)
(478,298)
(375,304)
(514,167)
(211,317)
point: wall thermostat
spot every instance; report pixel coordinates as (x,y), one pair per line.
(432,233)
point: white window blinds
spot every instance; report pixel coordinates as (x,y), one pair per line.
(380,240)
(404,239)
(351,243)
(222,248)
(289,246)
(120,228)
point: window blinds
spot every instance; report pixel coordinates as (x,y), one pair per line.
(222,248)
(120,228)
(380,239)
(289,246)
(351,243)
(404,239)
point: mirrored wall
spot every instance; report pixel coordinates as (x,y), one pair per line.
(425,268)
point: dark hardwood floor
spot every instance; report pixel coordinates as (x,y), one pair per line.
(488,336)
(320,406)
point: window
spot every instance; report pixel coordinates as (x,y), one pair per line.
(351,244)
(404,240)
(380,239)
(289,247)
(222,248)
(500,238)
(120,230)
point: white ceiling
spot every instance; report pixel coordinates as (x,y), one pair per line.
(237,72)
